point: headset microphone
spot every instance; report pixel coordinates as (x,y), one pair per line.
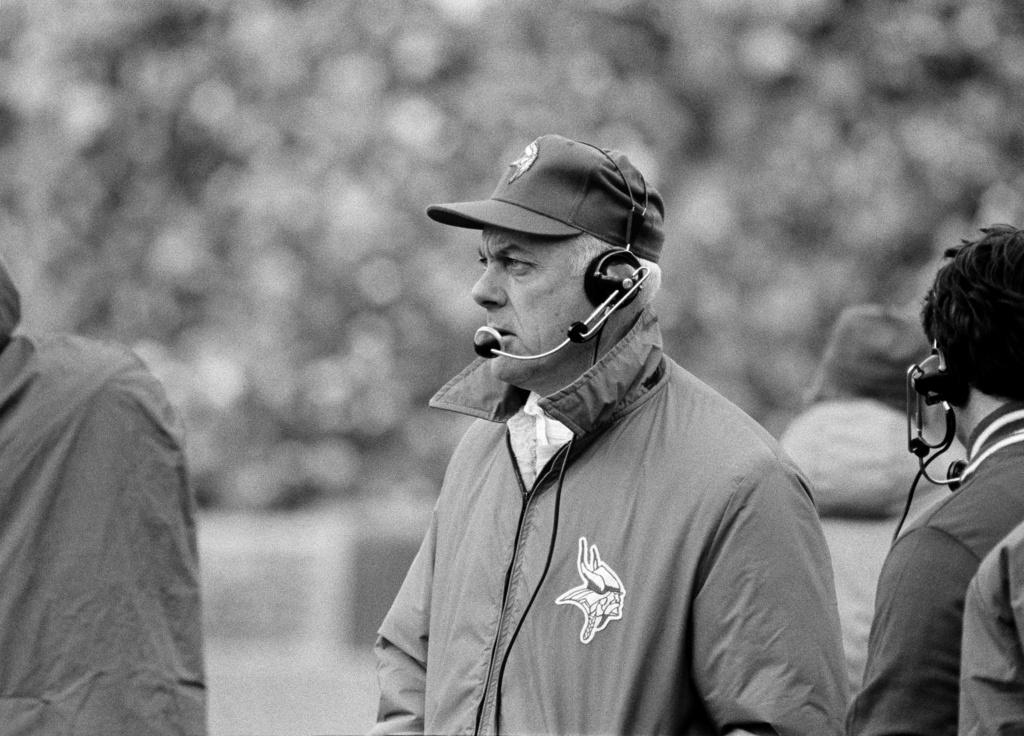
(954,474)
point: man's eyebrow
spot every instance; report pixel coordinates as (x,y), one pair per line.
(502,249)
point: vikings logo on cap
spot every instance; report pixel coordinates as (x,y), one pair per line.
(524,162)
(599,597)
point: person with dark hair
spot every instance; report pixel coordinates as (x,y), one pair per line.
(100,627)
(973,314)
(616,547)
(850,440)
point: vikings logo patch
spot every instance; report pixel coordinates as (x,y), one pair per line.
(599,597)
(524,162)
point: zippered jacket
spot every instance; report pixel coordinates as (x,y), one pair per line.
(100,628)
(992,656)
(672,577)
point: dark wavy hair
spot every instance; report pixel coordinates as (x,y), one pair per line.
(974,312)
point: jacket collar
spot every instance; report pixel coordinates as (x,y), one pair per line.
(1001,428)
(611,386)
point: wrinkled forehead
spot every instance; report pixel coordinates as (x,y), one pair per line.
(495,241)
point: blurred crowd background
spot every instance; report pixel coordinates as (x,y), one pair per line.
(235,189)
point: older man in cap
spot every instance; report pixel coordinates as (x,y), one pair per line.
(616,547)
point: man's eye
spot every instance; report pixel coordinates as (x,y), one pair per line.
(512,265)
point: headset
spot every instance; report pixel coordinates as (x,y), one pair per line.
(612,280)
(931,382)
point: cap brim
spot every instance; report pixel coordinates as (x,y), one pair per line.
(495,213)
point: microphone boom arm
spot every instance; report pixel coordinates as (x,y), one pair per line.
(486,340)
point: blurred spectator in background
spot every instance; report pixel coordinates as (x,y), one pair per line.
(616,548)
(974,315)
(992,656)
(99,612)
(851,441)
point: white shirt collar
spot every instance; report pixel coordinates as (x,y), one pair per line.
(535,442)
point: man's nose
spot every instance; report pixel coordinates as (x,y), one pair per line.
(488,291)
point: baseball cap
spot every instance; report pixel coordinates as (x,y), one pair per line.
(559,187)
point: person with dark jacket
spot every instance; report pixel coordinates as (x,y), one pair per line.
(973,314)
(616,548)
(100,608)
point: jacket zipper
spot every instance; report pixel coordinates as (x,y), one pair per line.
(528,496)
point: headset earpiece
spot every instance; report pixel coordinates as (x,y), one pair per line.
(613,271)
(934,381)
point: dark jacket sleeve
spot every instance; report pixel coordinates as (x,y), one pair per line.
(911,681)
(401,648)
(767,646)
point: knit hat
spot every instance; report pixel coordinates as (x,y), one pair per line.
(559,187)
(867,356)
